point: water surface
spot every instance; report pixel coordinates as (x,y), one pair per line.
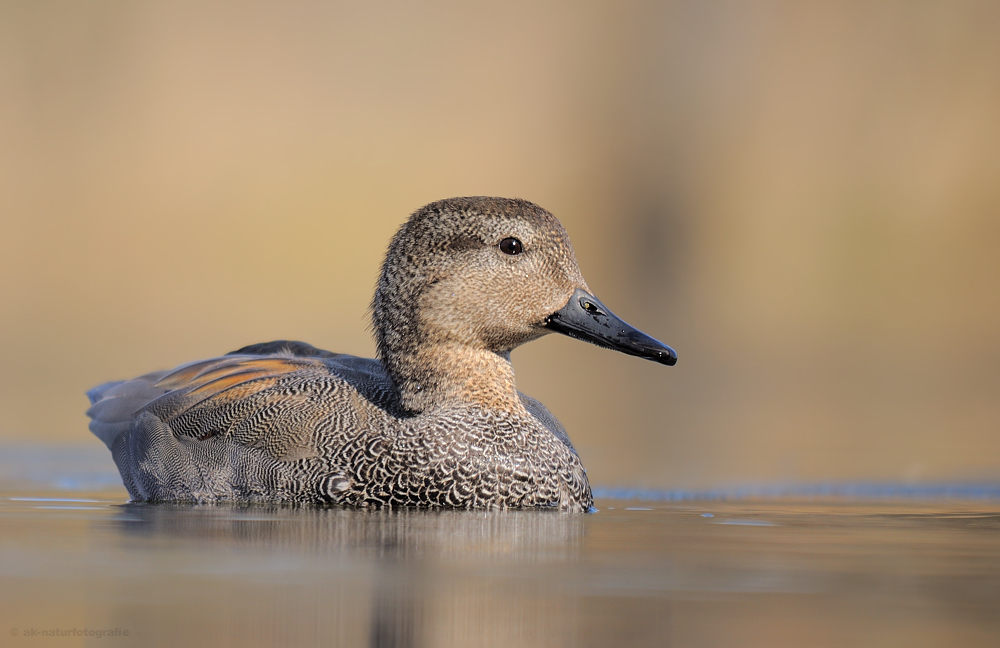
(778,571)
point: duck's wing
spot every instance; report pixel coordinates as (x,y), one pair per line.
(215,384)
(231,427)
(115,404)
(199,399)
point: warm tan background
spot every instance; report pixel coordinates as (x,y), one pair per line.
(802,198)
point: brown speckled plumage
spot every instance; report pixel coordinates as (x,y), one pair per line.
(436,421)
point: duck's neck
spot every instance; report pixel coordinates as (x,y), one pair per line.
(445,375)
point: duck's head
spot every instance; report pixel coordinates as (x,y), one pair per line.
(466,280)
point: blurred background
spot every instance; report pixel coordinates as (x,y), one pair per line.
(801,198)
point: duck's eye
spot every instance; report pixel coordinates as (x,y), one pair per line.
(511,246)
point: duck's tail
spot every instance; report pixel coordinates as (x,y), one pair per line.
(113,405)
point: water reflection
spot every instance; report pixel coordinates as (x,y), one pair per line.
(383,534)
(384,578)
(746,572)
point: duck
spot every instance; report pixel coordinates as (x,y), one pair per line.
(434,421)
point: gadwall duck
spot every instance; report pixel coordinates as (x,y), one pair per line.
(435,421)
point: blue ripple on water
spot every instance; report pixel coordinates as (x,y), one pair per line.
(849,490)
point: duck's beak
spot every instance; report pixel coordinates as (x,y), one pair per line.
(584,317)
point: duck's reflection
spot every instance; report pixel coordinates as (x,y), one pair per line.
(401,534)
(405,577)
